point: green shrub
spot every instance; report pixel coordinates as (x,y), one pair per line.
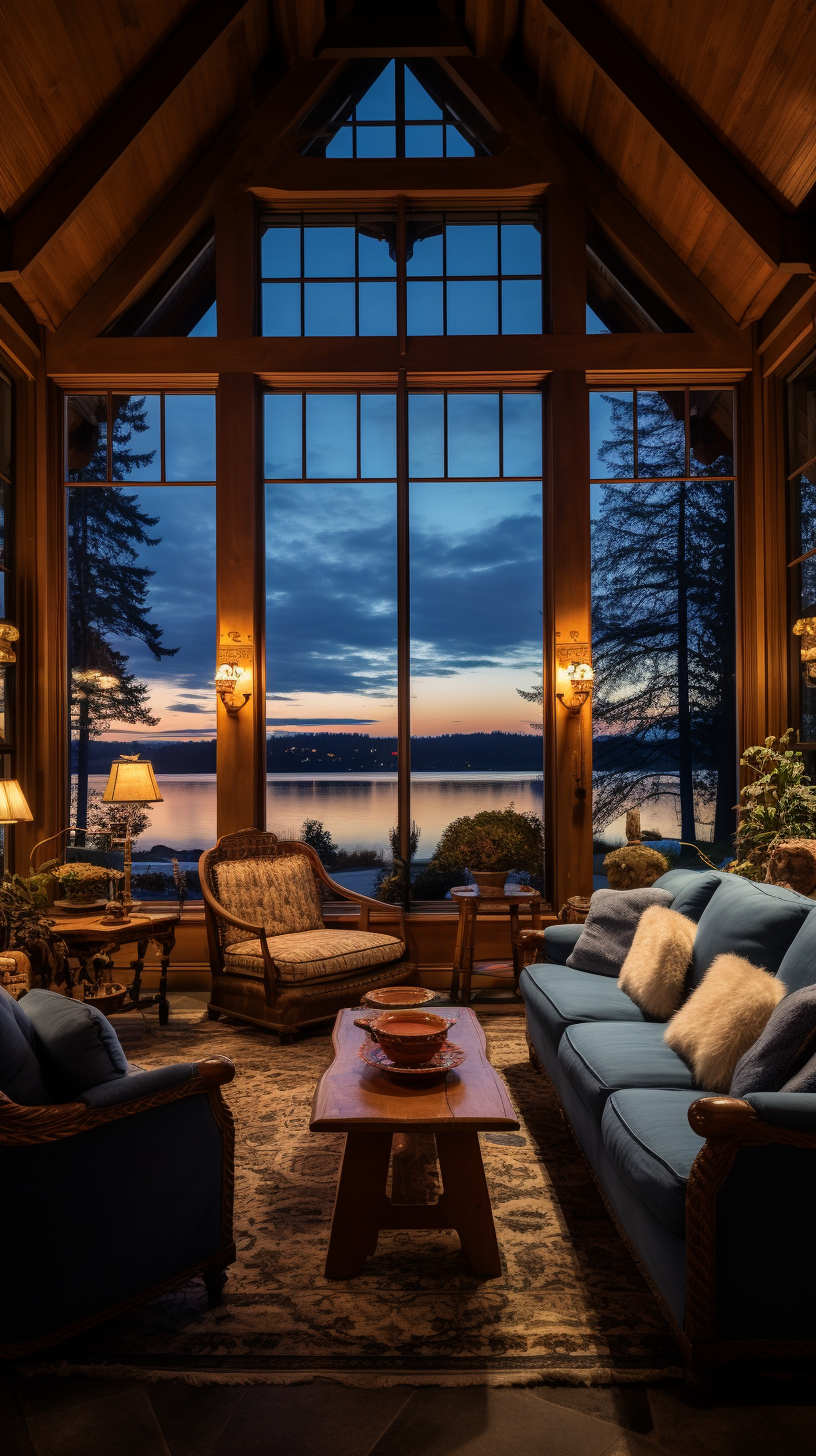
(779,804)
(494,839)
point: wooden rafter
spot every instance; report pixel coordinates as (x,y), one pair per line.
(784,241)
(57,203)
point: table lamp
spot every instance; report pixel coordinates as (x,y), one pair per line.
(131,781)
(13,809)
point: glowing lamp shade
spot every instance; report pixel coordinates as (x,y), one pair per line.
(132,783)
(13,806)
(580,672)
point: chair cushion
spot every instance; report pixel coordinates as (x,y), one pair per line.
(560,942)
(757,922)
(650,1143)
(600,1058)
(564,997)
(76,1044)
(313,954)
(20,1076)
(786,1044)
(280,894)
(610,928)
(798,968)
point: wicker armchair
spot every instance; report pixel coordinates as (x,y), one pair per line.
(273,960)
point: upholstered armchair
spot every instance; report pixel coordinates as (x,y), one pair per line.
(274,961)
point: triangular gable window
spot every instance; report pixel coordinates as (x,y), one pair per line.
(618,301)
(182,303)
(395,109)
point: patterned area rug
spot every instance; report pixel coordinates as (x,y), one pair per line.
(571,1305)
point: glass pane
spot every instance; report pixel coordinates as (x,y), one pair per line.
(378,308)
(328,252)
(521,307)
(376,141)
(522,434)
(805,516)
(476,599)
(611,434)
(280,252)
(281,310)
(189,436)
(207,326)
(425,249)
(283,436)
(141,645)
(711,418)
(378,103)
(342,143)
(664,634)
(423,141)
(86,437)
(378,254)
(378,436)
(331,435)
(136,437)
(802,425)
(457,145)
(328,309)
(661,432)
(331,673)
(426,434)
(473,434)
(424,308)
(520,248)
(473,308)
(593,323)
(472,248)
(5,428)
(419,106)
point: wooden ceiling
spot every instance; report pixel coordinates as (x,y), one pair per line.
(108,104)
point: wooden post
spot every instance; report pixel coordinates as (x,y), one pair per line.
(567,561)
(241,754)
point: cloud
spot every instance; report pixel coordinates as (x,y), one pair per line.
(188,708)
(325,722)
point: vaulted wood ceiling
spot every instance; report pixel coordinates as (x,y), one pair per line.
(107,104)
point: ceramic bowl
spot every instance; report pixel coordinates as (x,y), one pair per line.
(410,1038)
(393,998)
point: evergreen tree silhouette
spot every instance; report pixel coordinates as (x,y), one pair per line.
(107,591)
(663,623)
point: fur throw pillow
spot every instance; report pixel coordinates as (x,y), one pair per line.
(654,972)
(722,1019)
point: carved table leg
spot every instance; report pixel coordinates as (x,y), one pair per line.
(137,967)
(471,910)
(166,947)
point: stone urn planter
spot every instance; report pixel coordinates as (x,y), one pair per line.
(490,882)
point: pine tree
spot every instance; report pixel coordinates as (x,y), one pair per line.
(663,627)
(107,593)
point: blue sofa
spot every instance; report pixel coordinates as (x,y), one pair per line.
(714,1195)
(118,1182)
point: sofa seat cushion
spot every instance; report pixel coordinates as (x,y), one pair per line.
(564,997)
(757,922)
(647,1136)
(601,1058)
(280,894)
(314,954)
(20,1076)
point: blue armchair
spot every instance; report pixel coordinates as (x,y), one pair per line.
(119,1180)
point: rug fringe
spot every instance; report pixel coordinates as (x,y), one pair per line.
(565,1375)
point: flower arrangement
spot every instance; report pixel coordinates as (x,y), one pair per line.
(84,882)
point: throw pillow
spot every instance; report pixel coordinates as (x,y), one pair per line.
(804,1080)
(76,1042)
(722,1018)
(785,1045)
(654,972)
(610,928)
(20,1076)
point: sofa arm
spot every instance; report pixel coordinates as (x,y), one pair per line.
(793,1110)
(751,1118)
(137,1083)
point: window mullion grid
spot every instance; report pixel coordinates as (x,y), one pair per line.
(163,449)
(302,282)
(403,639)
(687,429)
(445,434)
(303,435)
(109,454)
(399,98)
(359,443)
(357,292)
(499,274)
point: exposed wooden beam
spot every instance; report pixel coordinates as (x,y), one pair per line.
(52,209)
(798,293)
(512,173)
(19,335)
(533,353)
(784,241)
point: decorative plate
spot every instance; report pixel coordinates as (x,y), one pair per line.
(399,998)
(80,907)
(446,1059)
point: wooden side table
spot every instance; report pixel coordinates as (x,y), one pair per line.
(86,936)
(471,904)
(370,1108)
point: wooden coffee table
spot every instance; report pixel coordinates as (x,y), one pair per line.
(370,1108)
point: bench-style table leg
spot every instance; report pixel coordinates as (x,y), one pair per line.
(358,1205)
(467,1200)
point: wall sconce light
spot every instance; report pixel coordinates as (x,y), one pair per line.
(8,634)
(579,678)
(227,677)
(806,629)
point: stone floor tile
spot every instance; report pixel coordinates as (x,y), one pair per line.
(41,1395)
(479,1420)
(120,1425)
(622,1405)
(736,1418)
(192,1417)
(14,1437)
(316,1417)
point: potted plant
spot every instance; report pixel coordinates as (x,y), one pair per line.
(779,805)
(84,884)
(490,844)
